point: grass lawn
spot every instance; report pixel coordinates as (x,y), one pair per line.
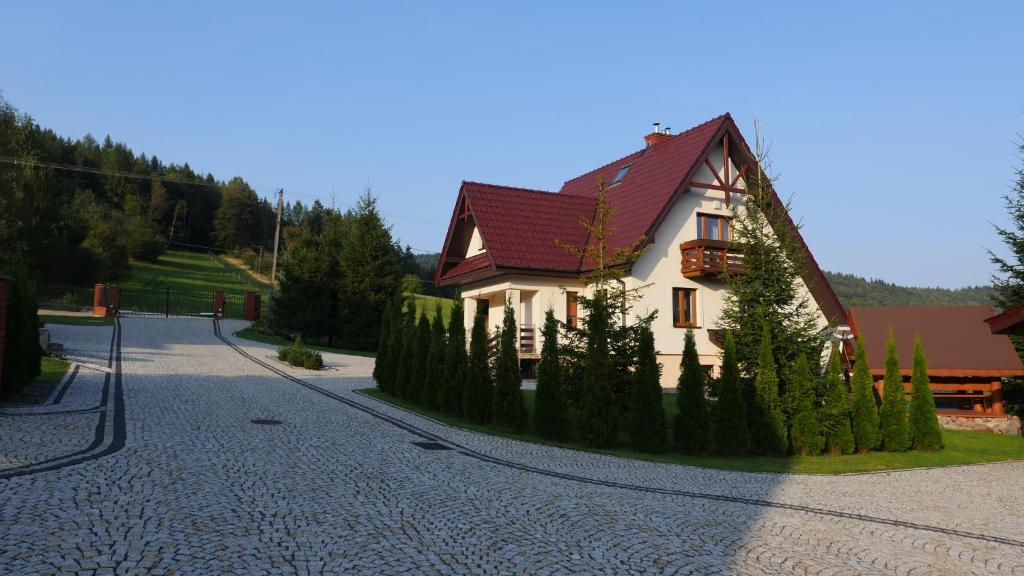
(53,370)
(249,334)
(180,269)
(75,320)
(429,304)
(962,447)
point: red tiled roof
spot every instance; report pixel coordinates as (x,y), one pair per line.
(520,227)
(955,339)
(471,264)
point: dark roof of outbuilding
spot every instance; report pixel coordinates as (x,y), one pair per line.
(955,339)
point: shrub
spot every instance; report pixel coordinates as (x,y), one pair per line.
(312,360)
(22,354)
(429,395)
(298,355)
(597,421)
(893,415)
(381,361)
(477,396)
(551,410)
(453,382)
(925,433)
(691,430)
(865,408)
(509,409)
(835,409)
(767,425)
(731,432)
(805,431)
(421,347)
(646,413)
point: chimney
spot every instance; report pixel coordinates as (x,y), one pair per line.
(656,137)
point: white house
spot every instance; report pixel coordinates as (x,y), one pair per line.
(676,193)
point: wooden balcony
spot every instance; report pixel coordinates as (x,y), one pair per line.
(710,258)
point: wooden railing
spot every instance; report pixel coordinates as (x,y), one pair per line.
(527,343)
(710,258)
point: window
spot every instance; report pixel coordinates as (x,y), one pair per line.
(710,227)
(571,310)
(684,307)
(622,174)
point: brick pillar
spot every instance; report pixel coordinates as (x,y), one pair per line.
(99,300)
(113,298)
(997,398)
(5,289)
(252,306)
(218,303)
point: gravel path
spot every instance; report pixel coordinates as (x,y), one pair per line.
(190,484)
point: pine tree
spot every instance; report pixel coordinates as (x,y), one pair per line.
(429,396)
(597,402)
(893,415)
(805,431)
(407,357)
(731,432)
(866,432)
(835,409)
(646,413)
(419,367)
(767,424)
(551,410)
(1008,281)
(477,396)
(925,433)
(690,428)
(396,338)
(450,395)
(509,408)
(380,362)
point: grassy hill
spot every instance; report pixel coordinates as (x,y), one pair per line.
(856,291)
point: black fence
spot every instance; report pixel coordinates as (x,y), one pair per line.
(64,297)
(163,301)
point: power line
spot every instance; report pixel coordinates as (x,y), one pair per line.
(101,172)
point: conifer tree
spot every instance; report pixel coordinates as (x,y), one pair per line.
(429,396)
(421,349)
(893,415)
(646,413)
(551,409)
(767,424)
(731,434)
(396,335)
(925,433)
(407,357)
(453,381)
(476,398)
(866,433)
(380,362)
(597,403)
(509,408)
(805,432)
(835,409)
(690,428)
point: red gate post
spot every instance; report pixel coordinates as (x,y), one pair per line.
(252,306)
(99,297)
(5,289)
(218,303)
(113,298)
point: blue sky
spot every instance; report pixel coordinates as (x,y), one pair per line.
(893,126)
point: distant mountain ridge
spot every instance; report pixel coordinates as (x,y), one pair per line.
(857,291)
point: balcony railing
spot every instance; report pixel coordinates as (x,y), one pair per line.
(710,258)
(526,342)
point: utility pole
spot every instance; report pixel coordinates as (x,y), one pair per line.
(277,238)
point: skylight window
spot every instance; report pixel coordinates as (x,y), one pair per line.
(622,174)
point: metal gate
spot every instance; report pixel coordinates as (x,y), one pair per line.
(169,301)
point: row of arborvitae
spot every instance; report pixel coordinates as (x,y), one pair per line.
(817,412)
(420,361)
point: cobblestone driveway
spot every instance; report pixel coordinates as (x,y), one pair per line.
(191,485)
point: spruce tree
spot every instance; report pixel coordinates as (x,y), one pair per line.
(550,408)
(805,432)
(1008,281)
(380,362)
(417,378)
(866,432)
(597,421)
(646,413)
(454,378)
(893,415)
(925,433)
(407,357)
(396,332)
(835,409)
(690,429)
(767,424)
(435,362)
(731,435)
(476,398)
(509,408)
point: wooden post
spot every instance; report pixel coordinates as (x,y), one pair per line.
(997,398)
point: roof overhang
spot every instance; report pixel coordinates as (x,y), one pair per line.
(1009,322)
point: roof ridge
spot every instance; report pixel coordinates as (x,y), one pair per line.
(520,188)
(640,151)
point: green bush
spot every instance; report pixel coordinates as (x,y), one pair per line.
(313,360)
(298,355)
(893,415)
(21,353)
